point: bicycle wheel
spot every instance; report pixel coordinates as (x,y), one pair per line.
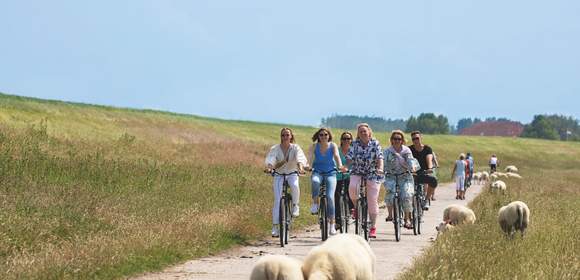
(415,214)
(419,214)
(357,220)
(345,215)
(397,219)
(364,219)
(323,219)
(288,219)
(282,221)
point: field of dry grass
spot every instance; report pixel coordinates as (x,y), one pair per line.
(99,192)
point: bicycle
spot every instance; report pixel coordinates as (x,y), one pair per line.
(343,209)
(323,204)
(361,221)
(285,210)
(419,202)
(398,219)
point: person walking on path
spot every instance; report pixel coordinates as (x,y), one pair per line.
(458,174)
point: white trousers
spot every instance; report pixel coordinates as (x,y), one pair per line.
(278,187)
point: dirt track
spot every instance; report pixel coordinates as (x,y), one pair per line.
(392,257)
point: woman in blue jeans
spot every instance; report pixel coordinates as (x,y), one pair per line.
(326,160)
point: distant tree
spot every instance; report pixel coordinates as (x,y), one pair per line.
(554,127)
(465,123)
(349,122)
(428,123)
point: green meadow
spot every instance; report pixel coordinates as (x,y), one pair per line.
(100,192)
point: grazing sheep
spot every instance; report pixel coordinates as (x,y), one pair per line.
(484,177)
(498,185)
(343,256)
(277,267)
(513,217)
(443,227)
(477,177)
(458,214)
(511,168)
(501,174)
(513,175)
(493,177)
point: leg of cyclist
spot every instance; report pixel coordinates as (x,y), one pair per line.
(295,190)
(330,190)
(355,181)
(407,192)
(337,210)
(316,179)
(277,188)
(373,188)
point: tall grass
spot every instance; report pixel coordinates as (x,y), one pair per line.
(98,192)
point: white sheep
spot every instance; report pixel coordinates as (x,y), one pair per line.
(343,256)
(277,267)
(443,227)
(513,217)
(511,168)
(513,175)
(498,185)
(477,177)
(484,177)
(458,214)
(493,177)
(501,174)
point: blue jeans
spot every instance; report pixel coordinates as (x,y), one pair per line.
(330,180)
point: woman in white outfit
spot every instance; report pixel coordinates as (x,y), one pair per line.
(285,157)
(459,174)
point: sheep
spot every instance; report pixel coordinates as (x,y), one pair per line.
(493,177)
(501,174)
(277,267)
(484,177)
(513,217)
(343,256)
(458,214)
(511,168)
(443,227)
(477,177)
(513,175)
(498,185)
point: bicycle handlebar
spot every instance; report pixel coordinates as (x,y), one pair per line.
(274,172)
(324,173)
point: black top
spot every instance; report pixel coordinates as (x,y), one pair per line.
(421,156)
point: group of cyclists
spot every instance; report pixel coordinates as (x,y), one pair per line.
(348,164)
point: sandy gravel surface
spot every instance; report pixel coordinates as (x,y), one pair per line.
(392,257)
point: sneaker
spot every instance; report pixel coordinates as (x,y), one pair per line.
(295,211)
(373,232)
(425,207)
(332,229)
(314,209)
(275,232)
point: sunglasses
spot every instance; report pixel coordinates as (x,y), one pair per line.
(397,139)
(346,138)
(415,138)
(323,134)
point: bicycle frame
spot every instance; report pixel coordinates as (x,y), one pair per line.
(285,216)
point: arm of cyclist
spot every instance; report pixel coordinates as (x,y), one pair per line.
(337,159)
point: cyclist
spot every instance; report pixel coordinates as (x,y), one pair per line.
(343,178)
(365,158)
(427,160)
(399,160)
(493,163)
(458,174)
(324,157)
(285,157)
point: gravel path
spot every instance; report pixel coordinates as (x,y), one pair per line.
(392,257)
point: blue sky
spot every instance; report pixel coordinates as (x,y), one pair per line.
(296,62)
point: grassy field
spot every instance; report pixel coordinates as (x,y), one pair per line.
(99,192)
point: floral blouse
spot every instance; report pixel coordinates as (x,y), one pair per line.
(364,158)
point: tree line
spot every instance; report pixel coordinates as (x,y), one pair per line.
(553,127)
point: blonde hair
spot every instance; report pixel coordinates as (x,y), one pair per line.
(398,132)
(462,156)
(358,126)
(317,133)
